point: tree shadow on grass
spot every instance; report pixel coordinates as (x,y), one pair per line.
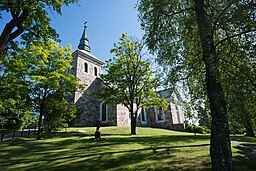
(245,160)
(158,140)
(49,135)
(74,151)
(143,159)
(39,155)
(124,134)
(125,139)
(243,138)
(80,141)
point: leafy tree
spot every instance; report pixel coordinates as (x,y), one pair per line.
(59,113)
(238,73)
(12,113)
(15,106)
(129,80)
(29,18)
(241,103)
(189,38)
(47,75)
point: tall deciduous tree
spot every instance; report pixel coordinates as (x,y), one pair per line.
(15,106)
(129,80)
(187,36)
(47,75)
(29,18)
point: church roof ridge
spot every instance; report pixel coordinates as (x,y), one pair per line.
(89,54)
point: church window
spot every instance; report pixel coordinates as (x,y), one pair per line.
(177,109)
(103,112)
(143,115)
(159,112)
(95,72)
(85,67)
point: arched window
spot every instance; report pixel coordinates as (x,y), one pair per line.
(103,112)
(85,67)
(159,112)
(95,72)
(143,115)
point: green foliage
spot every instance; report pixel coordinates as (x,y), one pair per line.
(33,121)
(236,127)
(197,129)
(47,68)
(129,79)
(59,114)
(29,18)
(48,79)
(171,31)
(35,77)
(15,106)
(14,113)
(187,37)
(189,128)
(204,116)
(39,68)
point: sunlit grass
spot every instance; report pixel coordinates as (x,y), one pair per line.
(150,149)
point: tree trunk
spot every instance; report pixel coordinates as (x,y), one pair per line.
(133,121)
(220,149)
(40,123)
(3,45)
(133,125)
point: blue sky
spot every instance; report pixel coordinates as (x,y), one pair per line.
(107,20)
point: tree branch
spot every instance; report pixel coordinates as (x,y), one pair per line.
(14,14)
(16,33)
(7,34)
(178,12)
(221,14)
(235,35)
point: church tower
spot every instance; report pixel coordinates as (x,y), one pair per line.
(85,65)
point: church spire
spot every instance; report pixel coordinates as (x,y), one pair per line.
(84,42)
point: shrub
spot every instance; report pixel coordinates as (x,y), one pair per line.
(189,128)
(197,129)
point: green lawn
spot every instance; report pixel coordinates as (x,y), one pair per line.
(150,149)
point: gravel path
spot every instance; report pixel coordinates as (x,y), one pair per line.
(249,148)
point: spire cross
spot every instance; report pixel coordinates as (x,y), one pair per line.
(85,24)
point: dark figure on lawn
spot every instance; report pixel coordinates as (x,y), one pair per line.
(97,133)
(98,126)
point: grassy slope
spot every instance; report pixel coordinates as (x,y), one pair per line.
(73,150)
